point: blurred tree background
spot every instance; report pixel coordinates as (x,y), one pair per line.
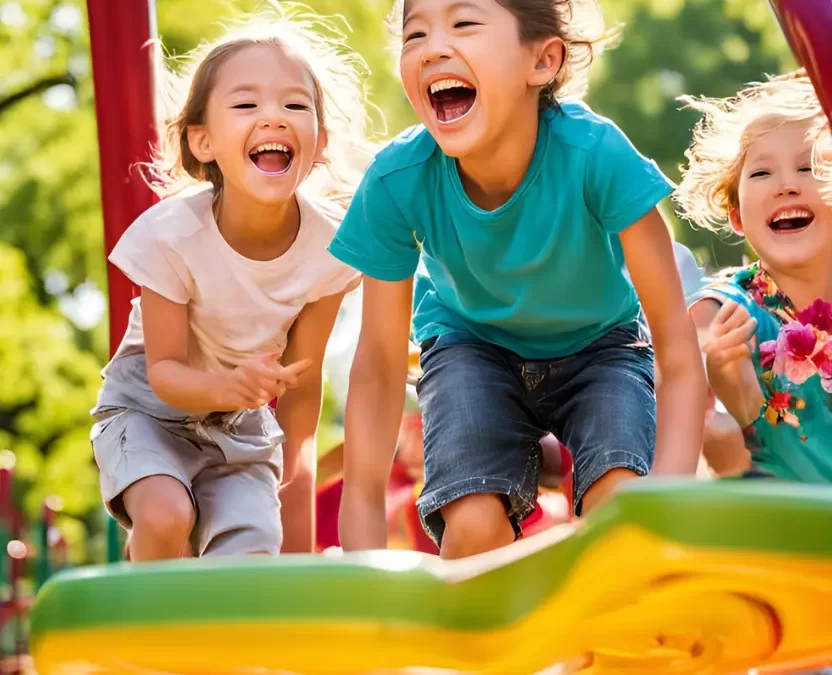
(53,324)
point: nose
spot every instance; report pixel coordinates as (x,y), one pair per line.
(436,48)
(272,118)
(788,187)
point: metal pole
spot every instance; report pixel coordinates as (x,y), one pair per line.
(807,24)
(122,64)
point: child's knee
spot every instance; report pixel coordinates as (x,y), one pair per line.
(475,524)
(165,515)
(603,488)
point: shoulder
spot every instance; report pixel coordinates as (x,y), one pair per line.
(575,125)
(733,285)
(322,216)
(177,217)
(411,149)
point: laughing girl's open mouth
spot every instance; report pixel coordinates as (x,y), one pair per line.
(791,220)
(451,99)
(272,158)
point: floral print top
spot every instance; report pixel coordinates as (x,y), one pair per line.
(792,437)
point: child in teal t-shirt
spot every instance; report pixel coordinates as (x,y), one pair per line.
(517,216)
(751,165)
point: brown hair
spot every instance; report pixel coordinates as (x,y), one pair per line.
(340,98)
(579,23)
(709,187)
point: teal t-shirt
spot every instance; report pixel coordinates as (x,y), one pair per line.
(544,274)
(792,438)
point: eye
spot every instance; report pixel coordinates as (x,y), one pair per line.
(414,36)
(806,169)
(244,106)
(466,24)
(297,106)
(759,174)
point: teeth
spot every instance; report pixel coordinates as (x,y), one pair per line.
(441,85)
(270,147)
(794,213)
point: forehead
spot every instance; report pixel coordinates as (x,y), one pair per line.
(776,135)
(263,65)
(413,8)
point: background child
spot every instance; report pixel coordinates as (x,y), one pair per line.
(525,211)
(767,348)
(235,281)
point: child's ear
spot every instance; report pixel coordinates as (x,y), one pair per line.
(320,149)
(736,221)
(200,144)
(550,57)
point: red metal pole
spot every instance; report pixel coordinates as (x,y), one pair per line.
(807,24)
(122,64)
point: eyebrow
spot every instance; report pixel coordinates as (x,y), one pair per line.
(251,89)
(462,4)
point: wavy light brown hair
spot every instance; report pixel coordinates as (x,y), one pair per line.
(579,23)
(341,103)
(709,188)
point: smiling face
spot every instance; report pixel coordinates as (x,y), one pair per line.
(261,124)
(466,72)
(781,212)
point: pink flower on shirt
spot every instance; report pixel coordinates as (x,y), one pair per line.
(818,314)
(795,348)
(823,362)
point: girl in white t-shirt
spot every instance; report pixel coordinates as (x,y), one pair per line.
(238,292)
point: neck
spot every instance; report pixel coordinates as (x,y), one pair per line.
(491,176)
(256,230)
(804,285)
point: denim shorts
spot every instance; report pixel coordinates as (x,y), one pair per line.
(485,409)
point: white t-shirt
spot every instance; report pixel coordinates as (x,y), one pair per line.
(237,307)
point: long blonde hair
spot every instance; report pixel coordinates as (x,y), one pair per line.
(709,187)
(341,102)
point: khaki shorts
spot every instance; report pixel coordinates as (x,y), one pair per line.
(236,503)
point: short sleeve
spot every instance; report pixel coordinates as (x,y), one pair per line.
(374,236)
(721,291)
(621,185)
(148,256)
(342,280)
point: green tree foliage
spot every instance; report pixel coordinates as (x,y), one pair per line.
(52,341)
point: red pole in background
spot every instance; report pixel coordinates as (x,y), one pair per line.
(122,65)
(807,25)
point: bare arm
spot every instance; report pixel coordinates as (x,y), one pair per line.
(374,411)
(299,410)
(165,326)
(682,389)
(298,414)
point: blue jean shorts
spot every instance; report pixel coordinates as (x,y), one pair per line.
(485,409)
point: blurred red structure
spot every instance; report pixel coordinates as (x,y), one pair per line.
(806,24)
(122,58)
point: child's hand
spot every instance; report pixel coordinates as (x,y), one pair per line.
(729,337)
(728,347)
(257,381)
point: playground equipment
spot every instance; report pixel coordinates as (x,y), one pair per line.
(675,577)
(29,555)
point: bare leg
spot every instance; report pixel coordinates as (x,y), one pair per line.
(475,524)
(163,516)
(602,489)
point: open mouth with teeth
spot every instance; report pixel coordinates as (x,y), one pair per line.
(791,220)
(272,158)
(451,99)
